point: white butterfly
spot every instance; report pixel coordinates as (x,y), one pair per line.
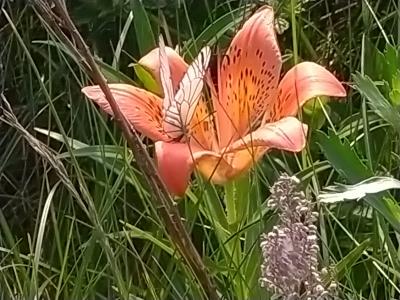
(179,108)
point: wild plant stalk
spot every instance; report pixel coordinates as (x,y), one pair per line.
(290,249)
(58,19)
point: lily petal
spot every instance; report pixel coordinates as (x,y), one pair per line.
(248,77)
(176,162)
(178,67)
(175,165)
(141,108)
(215,167)
(287,134)
(302,83)
(220,168)
(202,127)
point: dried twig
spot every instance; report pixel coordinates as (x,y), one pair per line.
(57,18)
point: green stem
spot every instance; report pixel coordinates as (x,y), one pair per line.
(234,197)
(231,212)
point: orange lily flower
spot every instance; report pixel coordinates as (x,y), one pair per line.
(254,110)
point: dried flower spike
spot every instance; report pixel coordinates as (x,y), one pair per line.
(290,250)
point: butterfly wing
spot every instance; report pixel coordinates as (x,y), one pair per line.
(165,76)
(180,112)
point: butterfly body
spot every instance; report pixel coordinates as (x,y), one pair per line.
(177,134)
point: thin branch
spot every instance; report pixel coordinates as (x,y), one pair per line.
(58,19)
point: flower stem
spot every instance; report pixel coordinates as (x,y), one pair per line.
(230,200)
(236,202)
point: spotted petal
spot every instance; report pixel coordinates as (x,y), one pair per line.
(141,108)
(248,77)
(301,83)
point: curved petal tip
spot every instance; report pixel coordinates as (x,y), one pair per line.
(178,67)
(303,82)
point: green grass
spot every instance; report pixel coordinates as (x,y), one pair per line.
(77,220)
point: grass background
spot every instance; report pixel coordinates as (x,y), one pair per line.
(51,247)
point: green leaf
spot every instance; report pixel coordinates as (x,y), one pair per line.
(98,151)
(237,194)
(74,143)
(217,29)
(212,205)
(391,63)
(314,169)
(121,41)
(144,32)
(396,80)
(347,163)
(347,262)
(147,79)
(109,156)
(135,232)
(394,94)
(112,75)
(395,97)
(377,101)
(314,114)
(342,157)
